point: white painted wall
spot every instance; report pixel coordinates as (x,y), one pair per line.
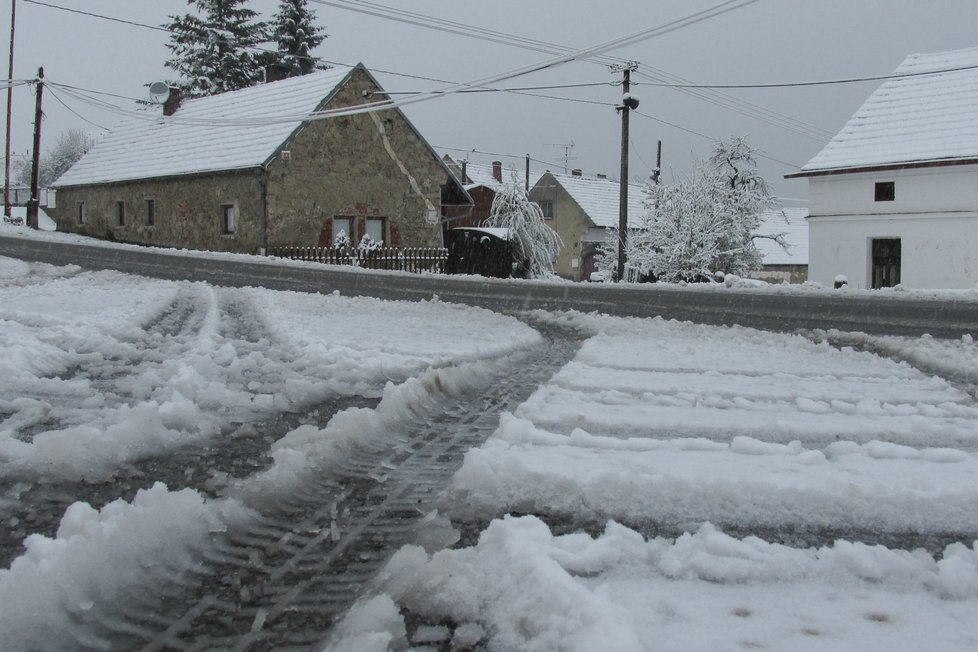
(935,215)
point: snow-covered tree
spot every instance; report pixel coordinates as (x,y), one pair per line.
(535,245)
(213,52)
(295,31)
(706,223)
(70,146)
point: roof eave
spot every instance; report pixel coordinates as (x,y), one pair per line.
(882,167)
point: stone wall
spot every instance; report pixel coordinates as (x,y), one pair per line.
(187,211)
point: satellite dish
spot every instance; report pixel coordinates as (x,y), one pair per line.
(158,92)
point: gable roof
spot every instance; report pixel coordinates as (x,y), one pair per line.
(923,118)
(792,223)
(600,198)
(229,131)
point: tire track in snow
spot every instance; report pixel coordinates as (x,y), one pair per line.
(283,579)
(32,503)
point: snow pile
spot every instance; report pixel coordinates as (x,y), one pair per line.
(99,555)
(703,591)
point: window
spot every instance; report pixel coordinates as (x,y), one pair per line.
(80,212)
(343,231)
(885,191)
(547,207)
(375,229)
(120,213)
(150,212)
(229,219)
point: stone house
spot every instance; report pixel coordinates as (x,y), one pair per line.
(582,210)
(894,196)
(289,162)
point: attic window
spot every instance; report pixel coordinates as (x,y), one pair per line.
(885,191)
(547,207)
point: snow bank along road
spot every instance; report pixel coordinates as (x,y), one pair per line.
(881,314)
(189,467)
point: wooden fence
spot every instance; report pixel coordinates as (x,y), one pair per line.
(414,259)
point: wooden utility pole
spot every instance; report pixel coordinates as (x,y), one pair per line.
(10,102)
(657,172)
(33,203)
(628,103)
(528,173)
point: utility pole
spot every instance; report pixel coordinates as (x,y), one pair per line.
(32,204)
(628,103)
(10,102)
(528,173)
(657,172)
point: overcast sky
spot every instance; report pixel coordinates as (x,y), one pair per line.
(770,41)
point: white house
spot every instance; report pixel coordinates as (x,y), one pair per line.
(894,196)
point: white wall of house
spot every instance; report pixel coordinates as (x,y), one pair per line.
(934,213)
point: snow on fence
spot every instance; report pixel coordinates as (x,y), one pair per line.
(412,259)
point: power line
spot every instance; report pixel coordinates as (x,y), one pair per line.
(94,15)
(825,82)
(665,28)
(78,115)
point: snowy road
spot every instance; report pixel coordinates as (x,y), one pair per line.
(188,467)
(948,314)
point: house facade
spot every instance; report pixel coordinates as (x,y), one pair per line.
(254,168)
(894,196)
(583,211)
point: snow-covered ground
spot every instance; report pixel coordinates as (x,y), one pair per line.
(99,370)
(692,430)
(651,475)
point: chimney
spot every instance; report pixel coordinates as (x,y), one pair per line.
(172,101)
(465,177)
(577,173)
(497,171)
(276,72)
(602,176)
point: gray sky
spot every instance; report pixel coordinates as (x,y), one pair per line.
(770,41)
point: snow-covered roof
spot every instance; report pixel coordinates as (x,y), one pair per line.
(600,198)
(480,175)
(918,118)
(208,134)
(792,223)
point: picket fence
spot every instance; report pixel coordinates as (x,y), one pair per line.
(412,259)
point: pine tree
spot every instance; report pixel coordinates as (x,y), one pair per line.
(213,53)
(295,31)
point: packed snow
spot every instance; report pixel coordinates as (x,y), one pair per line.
(631,462)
